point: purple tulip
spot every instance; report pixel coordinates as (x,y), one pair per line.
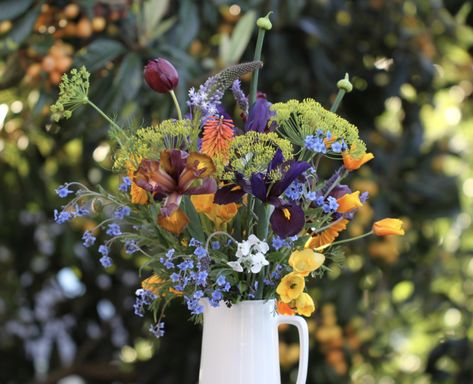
(161,76)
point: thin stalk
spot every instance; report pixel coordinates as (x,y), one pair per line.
(176,104)
(352,238)
(338,100)
(257,57)
(115,125)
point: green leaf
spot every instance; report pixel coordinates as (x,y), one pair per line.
(20,31)
(128,79)
(11,9)
(153,12)
(194,227)
(189,14)
(240,38)
(97,54)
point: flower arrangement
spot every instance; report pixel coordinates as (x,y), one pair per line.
(224,208)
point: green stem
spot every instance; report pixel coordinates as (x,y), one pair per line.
(257,57)
(352,239)
(262,211)
(176,103)
(112,123)
(338,100)
(335,183)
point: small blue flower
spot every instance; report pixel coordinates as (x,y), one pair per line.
(186,264)
(157,330)
(81,211)
(364,196)
(106,261)
(312,196)
(131,246)
(194,242)
(227,287)
(221,280)
(62,217)
(215,245)
(200,252)
(88,239)
(277,243)
(104,250)
(198,294)
(126,182)
(122,212)
(63,191)
(170,253)
(268,283)
(175,277)
(295,191)
(320,201)
(331,205)
(114,230)
(315,144)
(202,278)
(336,147)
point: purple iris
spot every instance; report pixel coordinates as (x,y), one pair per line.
(287,218)
(259,115)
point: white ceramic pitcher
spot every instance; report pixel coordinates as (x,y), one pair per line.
(240,344)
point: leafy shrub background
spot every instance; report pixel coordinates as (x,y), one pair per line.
(401,310)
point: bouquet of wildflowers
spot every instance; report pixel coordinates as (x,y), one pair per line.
(218,207)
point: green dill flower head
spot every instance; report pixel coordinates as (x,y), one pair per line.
(297,120)
(73,91)
(253,151)
(147,143)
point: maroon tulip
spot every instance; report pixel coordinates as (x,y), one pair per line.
(161,75)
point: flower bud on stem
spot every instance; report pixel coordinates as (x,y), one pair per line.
(344,86)
(264,24)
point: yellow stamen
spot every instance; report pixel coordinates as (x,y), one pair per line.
(286,213)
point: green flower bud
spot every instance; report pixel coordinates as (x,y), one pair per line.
(345,84)
(264,22)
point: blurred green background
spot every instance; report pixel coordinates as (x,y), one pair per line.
(401,311)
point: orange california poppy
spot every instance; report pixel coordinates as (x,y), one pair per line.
(388,226)
(352,163)
(348,202)
(175,222)
(328,236)
(285,309)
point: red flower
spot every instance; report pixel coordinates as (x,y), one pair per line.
(161,75)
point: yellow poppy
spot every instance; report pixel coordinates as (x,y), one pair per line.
(305,261)
(305,305)
(290,287)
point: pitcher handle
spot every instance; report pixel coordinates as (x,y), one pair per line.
(301,326)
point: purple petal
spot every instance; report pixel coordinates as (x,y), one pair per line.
(258,186)
(278,159)
(287,220)
(340,190)
(295,170)
(229,194)
(259,115)
(209,185)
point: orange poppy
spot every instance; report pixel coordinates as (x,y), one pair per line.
(352,163)
(328,236)
(388,226)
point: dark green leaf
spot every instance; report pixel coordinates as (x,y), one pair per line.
(97,54)
(9,9)
(20,31)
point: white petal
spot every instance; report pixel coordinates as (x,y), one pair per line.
(263,247)
(235,266)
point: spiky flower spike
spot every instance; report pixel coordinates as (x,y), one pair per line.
(226,77)
(218,133)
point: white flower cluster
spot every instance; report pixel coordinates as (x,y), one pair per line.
(250,255)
